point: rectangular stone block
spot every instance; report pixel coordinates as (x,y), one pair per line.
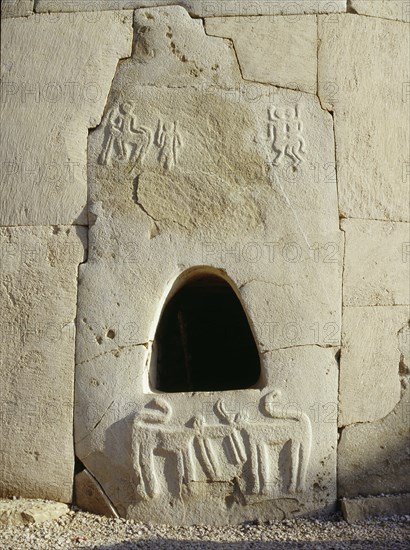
(398,10)
(38,303)
(366,85)
(281,51)
(375,343)
(361,509)
(56,73)
(373,457)
(376,264)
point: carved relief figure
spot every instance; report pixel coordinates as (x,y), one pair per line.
(285,131)
(124,139)
(233,447)
(300,435)
(153,437)
(168,139)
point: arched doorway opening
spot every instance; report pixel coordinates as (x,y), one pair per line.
(203,340)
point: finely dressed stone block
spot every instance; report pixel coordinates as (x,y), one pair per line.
(278,51)
(56,73)
(370,97)
(376,341)
(38,297)
(377,263)
(361,509)
(398,10)
(373,457)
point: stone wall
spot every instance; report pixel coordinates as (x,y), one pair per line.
(263,142)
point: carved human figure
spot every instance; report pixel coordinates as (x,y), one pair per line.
(168,140)
(124,139)
(285,131)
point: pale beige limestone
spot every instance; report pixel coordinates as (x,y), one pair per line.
(373,457)
(38,301)
(90,497)
(21,511)
(398,10)
(202,8)
(56,73)
(16,8)
(370,97)
(207,177)
(374,342)
(278,51)
(362,509)
(169,56)
(376,264)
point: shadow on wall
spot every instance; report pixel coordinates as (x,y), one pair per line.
(167,544)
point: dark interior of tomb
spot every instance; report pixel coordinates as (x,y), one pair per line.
(203,340)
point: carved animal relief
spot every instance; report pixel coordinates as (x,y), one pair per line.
(233,448)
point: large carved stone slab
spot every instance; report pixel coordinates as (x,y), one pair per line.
(372,133)
(187,175)
(377,263)
(202,8)
(278,50)
(376,341)
(49,108)
(38,298)
(398,10)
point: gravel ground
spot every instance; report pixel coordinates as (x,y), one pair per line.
(87,531)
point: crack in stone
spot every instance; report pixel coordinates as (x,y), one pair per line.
(100,487)
(99,421)
(263,282)
(253,81)
(114,350)
(96,424)
(323,346)
(143,209)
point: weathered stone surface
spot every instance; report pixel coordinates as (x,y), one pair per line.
(370,98)
(375,342)
(38,295)
(187,178)
(361,509)
(377,263)
(373,457)
(398,10)
(49,107)
(20,511)
(280,50)
(90,497)
(16,8)
(202,8)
